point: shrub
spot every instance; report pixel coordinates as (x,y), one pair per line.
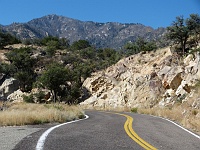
(6,39)
(28,99)
(197,84)
(39,96)
(51,47)
(194,112)
(134,110)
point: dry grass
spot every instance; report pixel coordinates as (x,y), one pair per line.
(173,114)
(24,114)
(182,114)
(187,119)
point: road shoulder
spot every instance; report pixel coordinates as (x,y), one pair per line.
(11,136)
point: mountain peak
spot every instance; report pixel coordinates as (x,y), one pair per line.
(110,34)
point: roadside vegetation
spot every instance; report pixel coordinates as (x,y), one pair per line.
(187,119)
(61,67)
(31,114)
(64,68)
(184,35)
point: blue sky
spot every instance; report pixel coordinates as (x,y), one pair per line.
(154,13)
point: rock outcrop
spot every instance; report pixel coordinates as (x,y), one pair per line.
(16,96)
(144,80)
(8,86)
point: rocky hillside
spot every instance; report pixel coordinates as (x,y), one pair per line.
(111,34)
(155,80)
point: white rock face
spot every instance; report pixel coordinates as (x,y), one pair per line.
(16,96)
(143,80)
(8,87)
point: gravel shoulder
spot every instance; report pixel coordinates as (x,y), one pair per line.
(11,136)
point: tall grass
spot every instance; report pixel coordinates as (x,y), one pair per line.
(26,114)
(188,119)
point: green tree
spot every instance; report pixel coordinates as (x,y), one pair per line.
(22,67)
(54,43)
(193,24)
(21,58)
(63,43)
(88,53)
(141,43)
(105,57)
(138,46)
(178,32)
(185,32)
(51,47)
(131,48)
(45,40)
(150,46)
(73,94)
(26,79)
(82,71)
(7,69)
(81,44)
(55,76)
(6,39)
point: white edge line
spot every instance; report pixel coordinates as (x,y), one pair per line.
(41,141)
(197,136)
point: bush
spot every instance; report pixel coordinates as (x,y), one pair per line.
(51,47)
(81,44)
(22,67)
(134,110)
(197,84)
(28,99)
(6,39)
(194,112)
(140,45)
(39,96)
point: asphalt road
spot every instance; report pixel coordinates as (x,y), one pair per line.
(109,131)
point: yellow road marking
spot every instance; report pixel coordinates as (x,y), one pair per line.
(133,135)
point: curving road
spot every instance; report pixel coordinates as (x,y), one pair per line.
(113,131)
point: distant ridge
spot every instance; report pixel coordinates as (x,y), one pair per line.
(110,34)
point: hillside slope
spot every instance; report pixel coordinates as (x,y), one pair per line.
(111,34)
(159,81)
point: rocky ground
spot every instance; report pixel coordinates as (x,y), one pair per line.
(156,80)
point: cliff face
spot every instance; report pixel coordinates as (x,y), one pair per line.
(157,78)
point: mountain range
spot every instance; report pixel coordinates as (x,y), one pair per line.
(110,34)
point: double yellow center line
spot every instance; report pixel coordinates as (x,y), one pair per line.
(131,133)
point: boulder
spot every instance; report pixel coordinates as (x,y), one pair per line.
(16,96)
(172,79)
(161,73)
(192,71)
(188,59)
(8,87)
(183,88)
